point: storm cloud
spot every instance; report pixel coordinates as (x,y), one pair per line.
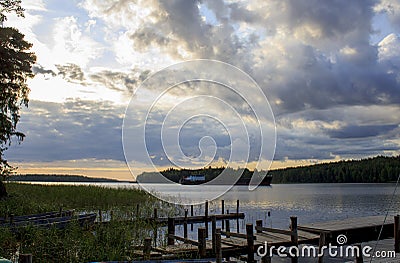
(330,70)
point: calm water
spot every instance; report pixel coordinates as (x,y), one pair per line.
(309,202)
(316,202)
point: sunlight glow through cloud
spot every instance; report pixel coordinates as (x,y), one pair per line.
(330,70)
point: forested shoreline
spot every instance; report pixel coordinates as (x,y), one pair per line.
(378,169)
(57,178)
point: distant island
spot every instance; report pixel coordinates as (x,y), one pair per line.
(231,176)
(378,169)
(58,178)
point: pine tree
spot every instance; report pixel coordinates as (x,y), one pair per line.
(16,67)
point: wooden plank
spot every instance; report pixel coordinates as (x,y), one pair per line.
(273,238)
(232,234)
(152,253)
(274,230)
(234,241)
(304,235)
(180,248)
(179,220)
(185,240)
(347,224)
(301,234)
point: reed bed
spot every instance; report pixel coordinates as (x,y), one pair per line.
(112,241)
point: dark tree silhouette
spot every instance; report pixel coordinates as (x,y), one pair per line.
(380,169)
(16,67)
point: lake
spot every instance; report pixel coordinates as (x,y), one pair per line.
(309,202)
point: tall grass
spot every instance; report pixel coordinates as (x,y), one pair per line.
(27,198)
(112,241)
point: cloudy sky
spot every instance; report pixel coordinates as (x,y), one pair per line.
(330,71)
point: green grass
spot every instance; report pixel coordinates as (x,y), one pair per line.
(26,198)
(104,242)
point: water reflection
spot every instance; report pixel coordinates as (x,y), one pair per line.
(309,202)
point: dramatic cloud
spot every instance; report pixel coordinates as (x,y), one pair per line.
(120,81)
(71,130)
(330,69)
(71,73)
(392,9)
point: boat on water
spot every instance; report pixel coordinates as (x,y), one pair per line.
(192,180)
(56,221)
(32,217)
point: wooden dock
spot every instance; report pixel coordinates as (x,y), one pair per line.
(356,229)
(225,244)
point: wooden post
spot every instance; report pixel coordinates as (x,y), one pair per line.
(237,219)
(397,233)
(259,223)
(201,236)
(322,242)
(223,211)
(206,218)
(294,238)
(147,248)
(100,216)
(60,211)
(155,227)
(218,246)
(227,228)
(171,230)
(185,228)
(250,242)
(25,258)
(11,218)
(111,215)
(155,236)
(137,210)
(155,216)
(213,233)
(359,256)
(267,257)
(191,214)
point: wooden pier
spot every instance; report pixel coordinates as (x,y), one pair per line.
(225,244)
(356,229)
(380,232)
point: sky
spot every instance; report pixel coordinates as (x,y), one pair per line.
(329,69)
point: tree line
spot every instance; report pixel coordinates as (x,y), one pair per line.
(210,173)
(57,178)
(378,169)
